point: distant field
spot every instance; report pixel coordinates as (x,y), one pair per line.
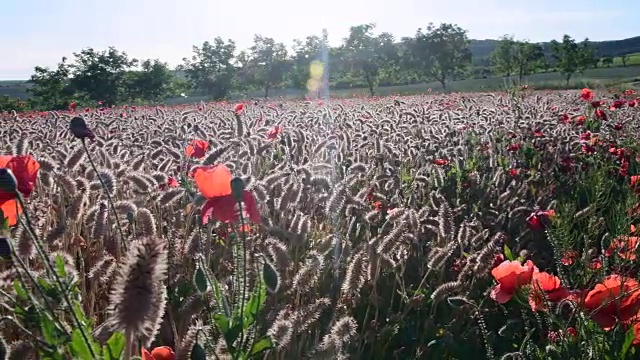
(633,60)
(593,78)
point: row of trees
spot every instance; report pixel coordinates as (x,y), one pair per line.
(365,58)
(521,58)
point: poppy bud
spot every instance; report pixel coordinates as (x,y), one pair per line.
(237,188)
(5,248)
(80,129)
(8,182)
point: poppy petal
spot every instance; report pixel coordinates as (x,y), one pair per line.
(25,169)
(163,353)
(213,181)
(11,210)
(500,295)
(4,160)
(146,355)
(250,207)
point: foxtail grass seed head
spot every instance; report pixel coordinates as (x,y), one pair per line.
(136,302)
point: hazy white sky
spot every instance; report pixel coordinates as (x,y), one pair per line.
(41,32)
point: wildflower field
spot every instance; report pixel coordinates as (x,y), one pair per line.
(458,226)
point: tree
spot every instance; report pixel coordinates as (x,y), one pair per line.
(529,57)
(571,57)
(607,61)
(101,75)
(624,58)
(152,83)
(440,53)
(51,89)
(210,68)
(269,63)
(504,56)
(304,52)
(366,54)
(517,57)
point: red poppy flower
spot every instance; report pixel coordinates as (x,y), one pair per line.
(565,118)
(511,276)
(580,120)
(600,114)
(214,183)
(196,149)
(273,133)
(545,288)
(25,170)
(536,219)
(569,257)
(618,104)
(497,260)
(440,162)
(586,94)
(538,133)
(615,299)
(514,147)
(588,149)
(238,108)
(159,353)
(172,182)
(625,246)
(596,104)
(73,106)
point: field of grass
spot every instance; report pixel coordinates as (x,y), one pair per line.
(633,60)
(448,226)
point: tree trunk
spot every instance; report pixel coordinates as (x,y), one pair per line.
(568,78)
(266,91)
(370,84)
(443,83)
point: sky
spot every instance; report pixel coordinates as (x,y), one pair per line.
(41,32)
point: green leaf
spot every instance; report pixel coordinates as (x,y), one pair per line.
(48,328)
(198,353)
(20,290)
(79,348)
(222,322)
(200,280)
(60,268)
(260,346)
(507,253)
(628,340)
(114,347)
(255,304)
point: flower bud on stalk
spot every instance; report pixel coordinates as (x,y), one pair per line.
(8,182)
(237,188)
(79,128)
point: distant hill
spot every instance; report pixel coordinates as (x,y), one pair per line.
(481,49)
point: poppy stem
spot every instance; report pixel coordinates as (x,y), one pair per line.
(244,269)
(106,191)
(128,338)
(52,272)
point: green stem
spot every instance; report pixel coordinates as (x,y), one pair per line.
(106,191)
(55,276)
